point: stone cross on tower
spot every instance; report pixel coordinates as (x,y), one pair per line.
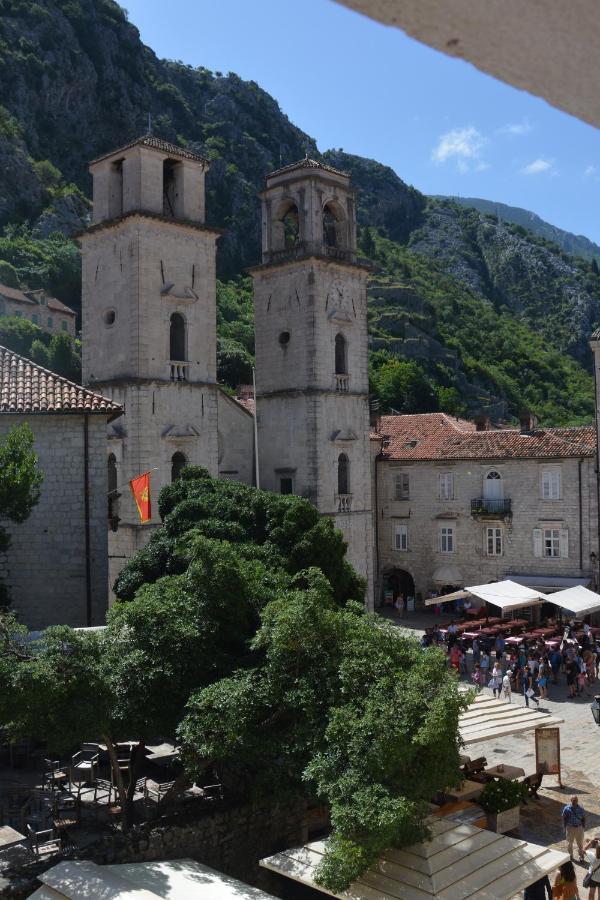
(311,351)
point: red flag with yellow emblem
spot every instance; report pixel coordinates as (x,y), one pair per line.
(140,488)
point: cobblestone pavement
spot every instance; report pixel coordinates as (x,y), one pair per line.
(541,820)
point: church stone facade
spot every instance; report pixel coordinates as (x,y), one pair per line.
(149,325)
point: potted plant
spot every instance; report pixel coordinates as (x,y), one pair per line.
(501,799)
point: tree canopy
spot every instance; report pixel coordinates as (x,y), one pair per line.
(20,481)
(240,631)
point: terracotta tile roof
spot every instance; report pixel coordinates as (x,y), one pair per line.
(438,436)
(307,163)
(59,306)
(15,294)
(28,388)
(150,140)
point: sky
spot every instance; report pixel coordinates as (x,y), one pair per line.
(354,84)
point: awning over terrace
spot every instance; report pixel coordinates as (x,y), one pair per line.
(506,595)
(486,719)
(549,582)
(460,862)
(577,600)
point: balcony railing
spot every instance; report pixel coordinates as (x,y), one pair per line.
(483,506)
(309,248)
(342,383)
(344,503)
(179,370)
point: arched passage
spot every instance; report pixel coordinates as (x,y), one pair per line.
(397,583)
(177,338)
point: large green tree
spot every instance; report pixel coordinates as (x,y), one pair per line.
(20,481)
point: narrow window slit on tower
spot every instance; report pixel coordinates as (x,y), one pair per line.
(169,187)
(162,271)
(193,275)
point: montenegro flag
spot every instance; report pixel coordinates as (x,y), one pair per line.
(140,488)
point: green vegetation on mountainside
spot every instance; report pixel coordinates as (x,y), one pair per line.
(513,311)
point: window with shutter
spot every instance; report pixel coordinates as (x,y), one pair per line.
(551,484)
(401,486)
(564,543)
(552,543)
(446,486)
(537,541)
(401,537)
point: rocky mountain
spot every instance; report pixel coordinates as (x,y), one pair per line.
(575,244)
(75,81)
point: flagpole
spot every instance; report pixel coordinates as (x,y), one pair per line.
(255,430)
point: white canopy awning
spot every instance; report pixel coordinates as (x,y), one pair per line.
(549,582)
(486,718)
(577,600)
(460,862)
(176,879)
(504,594)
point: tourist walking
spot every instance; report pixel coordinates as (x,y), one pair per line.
(527,687)
(496,679)
(484,662)
(555,663)
(506,688)
(477,677)
(541,890)
(542,678)
(565,883)
(476,650)
(571,672)
(573,816)
(592,880)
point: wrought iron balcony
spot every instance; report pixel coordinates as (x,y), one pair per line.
(483,506)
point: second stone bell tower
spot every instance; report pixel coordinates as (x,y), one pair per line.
(149,323)
(311,351)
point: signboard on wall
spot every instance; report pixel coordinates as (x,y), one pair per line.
(547,751)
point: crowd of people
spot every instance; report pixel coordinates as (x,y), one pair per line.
(529,669)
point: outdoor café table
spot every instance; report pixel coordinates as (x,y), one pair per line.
(552,644)
(513,641)
(508,772)
(8,837)
(467,791)
(470,635)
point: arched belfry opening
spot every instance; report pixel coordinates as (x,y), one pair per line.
(286,226)
(178,461)
(334,226)
(177,352)
(341,355)
(170,187)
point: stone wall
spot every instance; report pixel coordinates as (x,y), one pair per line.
(424,513)
(231,839)
(45,568)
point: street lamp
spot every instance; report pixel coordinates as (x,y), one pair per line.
(595,707)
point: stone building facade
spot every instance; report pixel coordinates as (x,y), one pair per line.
(39,307)
(149,324)
(56,567)
(310,301)
(459,504)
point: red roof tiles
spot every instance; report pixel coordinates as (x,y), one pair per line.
(156,143)
(438,436)
(28,388)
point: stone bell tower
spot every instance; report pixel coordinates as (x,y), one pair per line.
(310,295)
(149,323)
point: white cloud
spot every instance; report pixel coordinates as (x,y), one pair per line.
(464,145)
(538,166)
(590,171)
(516,129)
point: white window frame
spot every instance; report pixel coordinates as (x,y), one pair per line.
(446,485)
(551,543)
(447,539)
(494,540)
(401,538)
(551,484)
(401,486)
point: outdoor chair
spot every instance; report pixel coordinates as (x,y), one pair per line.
(155,792)
(533,784)
(53,775)
(103,793)
(474,767)
(43,843)
(123,752)
(84,763)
